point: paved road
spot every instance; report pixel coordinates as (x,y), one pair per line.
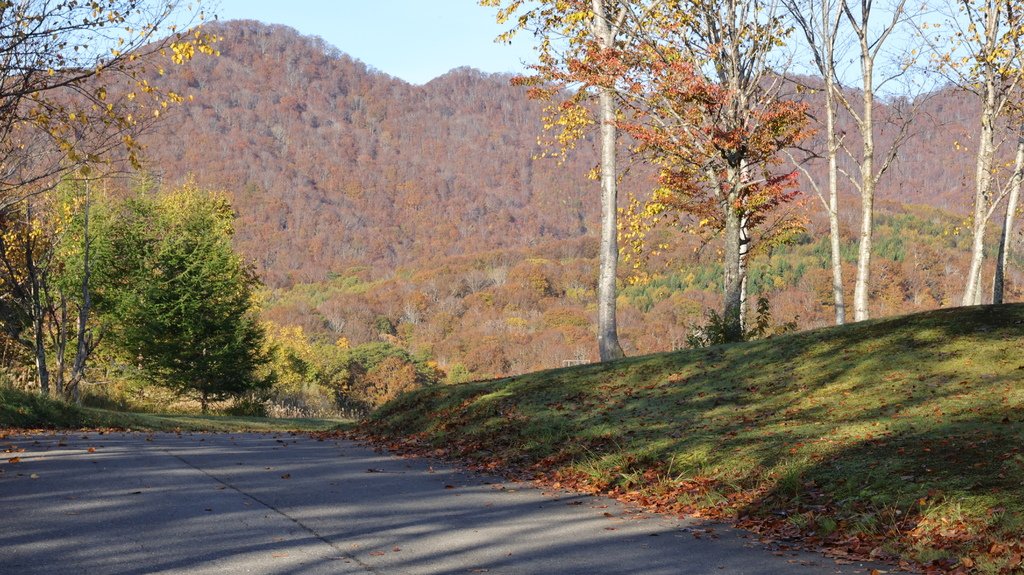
(138,503)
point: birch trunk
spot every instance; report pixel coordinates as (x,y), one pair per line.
(833,202)
(607,331)
(982,192)
(744,252)
(867,189)
(1008,221)
(732,268)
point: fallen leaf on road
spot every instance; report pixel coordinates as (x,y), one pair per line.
(376,553)
(279,555)
(449,487)
(34,476)
(91,450)
(14,460)
(286,476)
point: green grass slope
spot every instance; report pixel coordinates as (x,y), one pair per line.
(20,410)
(897,438)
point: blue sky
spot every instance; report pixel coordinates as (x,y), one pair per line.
(416,40)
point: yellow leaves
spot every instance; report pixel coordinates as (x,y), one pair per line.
(636,221)
(183,51)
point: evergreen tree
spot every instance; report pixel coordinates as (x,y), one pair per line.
(189,319)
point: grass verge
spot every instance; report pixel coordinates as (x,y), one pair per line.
(897,439)
(20,410)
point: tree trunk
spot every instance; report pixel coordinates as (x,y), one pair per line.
(833,201)
(733,278)
(39,344)
(982,192)
(607,331)
(204,402)
(867,194)
(59,317)
(1007,232)
(743,252)
(82,334)
(38,321)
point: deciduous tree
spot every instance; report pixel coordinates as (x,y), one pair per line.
(820,22)
(981,52)
(710,116)
(582,43)
(78,80)
(874,30)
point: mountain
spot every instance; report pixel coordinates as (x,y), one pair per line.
(378,209)
(332,164)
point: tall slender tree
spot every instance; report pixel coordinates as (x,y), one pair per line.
(1009,217)
(581,47)
(980,52)
(820,22)
(873,29)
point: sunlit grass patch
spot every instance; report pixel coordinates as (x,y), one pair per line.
(866,435)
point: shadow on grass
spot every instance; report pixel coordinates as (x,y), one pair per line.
(882,414)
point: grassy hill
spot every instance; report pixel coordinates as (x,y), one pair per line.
(899,438)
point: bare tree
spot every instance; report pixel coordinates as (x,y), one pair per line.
(872,30)
(980,52)
(820,24)
(581,42)
(1008,221)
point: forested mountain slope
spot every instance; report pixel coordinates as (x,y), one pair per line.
(422,215)
(332,164)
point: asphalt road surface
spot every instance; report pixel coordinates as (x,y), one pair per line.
(248,503)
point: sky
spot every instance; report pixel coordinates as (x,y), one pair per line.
(415,40)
